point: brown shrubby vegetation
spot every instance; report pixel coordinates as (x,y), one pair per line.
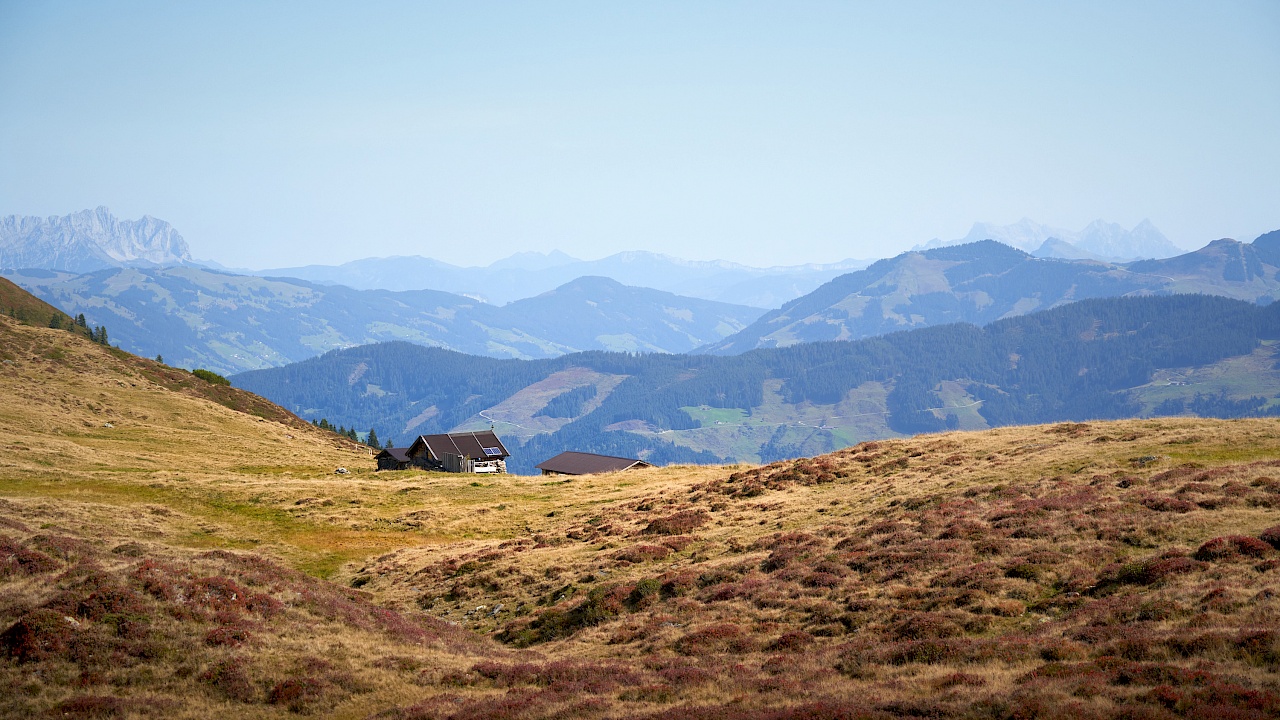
(160,569)
(1105,593)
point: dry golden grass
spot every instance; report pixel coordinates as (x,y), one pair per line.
(1031,571)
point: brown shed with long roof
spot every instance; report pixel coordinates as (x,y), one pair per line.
(571,462)
(394,459)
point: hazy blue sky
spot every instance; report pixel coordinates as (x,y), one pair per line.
(278,133)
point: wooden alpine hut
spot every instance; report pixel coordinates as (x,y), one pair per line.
(464,452)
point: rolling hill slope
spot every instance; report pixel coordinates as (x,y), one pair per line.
(173,565)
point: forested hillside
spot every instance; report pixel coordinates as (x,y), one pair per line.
(1076,362)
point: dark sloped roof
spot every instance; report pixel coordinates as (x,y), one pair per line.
(483,445)
(397,454)
(571,462)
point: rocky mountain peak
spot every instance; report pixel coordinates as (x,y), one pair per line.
(89,240)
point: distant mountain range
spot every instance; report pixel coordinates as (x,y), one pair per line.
(196,317)
(1099,240)
(528,274)
(1094,359)
(89,240)
(986,280)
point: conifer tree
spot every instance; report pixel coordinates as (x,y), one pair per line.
(372,440)
(55,322)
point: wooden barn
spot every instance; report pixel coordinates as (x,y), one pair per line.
(466,452)
(394,459)
(571,462)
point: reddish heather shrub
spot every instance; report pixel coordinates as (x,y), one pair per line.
(94,706)
(720,592)
(584,677)
(678,542)
(822,580)
(1197,487)
(653,693)
(568,677)
(1061,649)
(1217,699)
(983,577)
(721,637)
(782,557)
(297,693)
(676,584)
(727,572)
(219,593)
(16,560)
(964,529)
(1211,643)
(38,635)
(1149,571)
(957,679)
(228,636)
(1271,536)
(677,524)
(1232,547)
(1164,503)
(1260,647)
(160,581)
(924,626)
(506,674)
(229,678)
(112,601)
(793,641)
(927,652)
(685,676)
(406,630)
(1182,472)
(642,553)
(60,546)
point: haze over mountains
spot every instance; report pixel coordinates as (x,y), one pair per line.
(528,274)
(1099,240)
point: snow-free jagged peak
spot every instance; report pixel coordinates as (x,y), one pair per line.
(89,240)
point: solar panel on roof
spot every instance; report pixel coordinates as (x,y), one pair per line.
(492,451)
